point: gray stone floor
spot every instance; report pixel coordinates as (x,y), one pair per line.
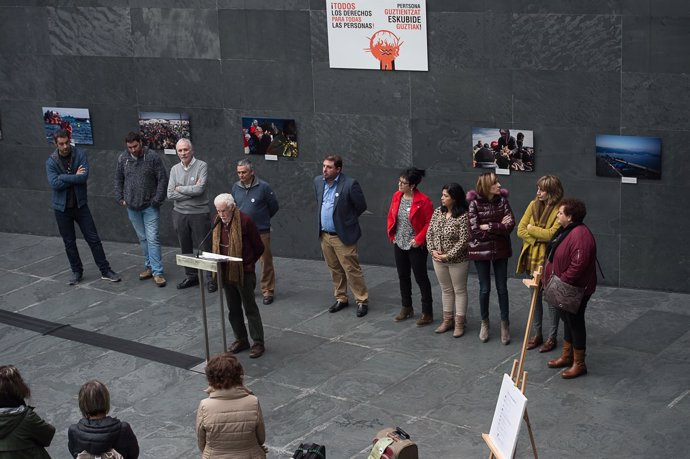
(336,379)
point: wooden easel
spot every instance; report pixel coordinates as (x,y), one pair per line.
(516,373)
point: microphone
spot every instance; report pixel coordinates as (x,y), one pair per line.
(201,244)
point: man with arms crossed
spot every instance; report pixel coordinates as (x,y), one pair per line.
(340,202)
(255,198)
(187,190)
(67,169)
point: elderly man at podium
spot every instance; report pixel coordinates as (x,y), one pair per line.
(237,236)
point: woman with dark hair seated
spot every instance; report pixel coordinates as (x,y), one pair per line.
(408,220)
(23,434)
(572,255)
(97,433)
(229,423)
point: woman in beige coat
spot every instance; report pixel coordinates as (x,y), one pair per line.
(229,423)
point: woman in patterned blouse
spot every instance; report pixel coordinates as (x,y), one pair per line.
(408,220)
(447,239)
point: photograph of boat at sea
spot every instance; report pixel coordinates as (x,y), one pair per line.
(76,121)
(628,156)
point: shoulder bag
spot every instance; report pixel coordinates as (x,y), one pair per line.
(563,296)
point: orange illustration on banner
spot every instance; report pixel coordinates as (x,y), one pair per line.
(384,45)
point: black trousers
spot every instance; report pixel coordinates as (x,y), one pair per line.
(191,229)
(414,260)
(574,330)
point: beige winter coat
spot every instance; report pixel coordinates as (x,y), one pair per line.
(229,425)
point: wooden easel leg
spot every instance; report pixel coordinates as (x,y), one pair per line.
(531,435)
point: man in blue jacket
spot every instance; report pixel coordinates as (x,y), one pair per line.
(67,169)
(255,198)
(340,202)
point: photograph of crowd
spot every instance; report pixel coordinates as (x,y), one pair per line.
(628,156)
(270,136)
(494,148)
(76,121)
(161,131)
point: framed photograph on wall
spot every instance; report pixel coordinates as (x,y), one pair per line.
(503,149)
(270,136)
(628,156)
(75,120)
(162,130)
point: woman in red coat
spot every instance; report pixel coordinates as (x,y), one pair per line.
(571,255)
(408,221)
(491,222)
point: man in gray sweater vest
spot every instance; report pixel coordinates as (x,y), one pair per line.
(187,188)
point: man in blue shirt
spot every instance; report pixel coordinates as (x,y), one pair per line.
(341,201)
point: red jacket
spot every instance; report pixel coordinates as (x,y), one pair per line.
(575,260)
(420,215)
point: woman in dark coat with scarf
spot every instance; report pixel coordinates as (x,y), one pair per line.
(571,255)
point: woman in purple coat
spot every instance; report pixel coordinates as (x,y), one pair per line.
(491,222)
(572,255)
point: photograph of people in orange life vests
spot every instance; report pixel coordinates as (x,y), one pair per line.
(503,148)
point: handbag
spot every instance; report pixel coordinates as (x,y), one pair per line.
(310,451)
(392,443)
(563,296)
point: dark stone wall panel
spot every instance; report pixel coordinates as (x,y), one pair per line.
(185,82)
(651,201)
(360,91)
(560,98)
(564,42)
(602,7)
(265,35)
(639,259)
(463,95)
(656,45)
(456,41)
(111,124)
(656,101)
(27,77)
(266,5)
(32,173)
(175,32)
(21,124)
(375,141)
(443,144)
(23,209)
(265,85)
(90,31)
(98,80)
(22,30)
(319,36)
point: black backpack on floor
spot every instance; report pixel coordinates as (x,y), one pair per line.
(310,451)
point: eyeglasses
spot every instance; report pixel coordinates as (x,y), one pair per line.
(402,182)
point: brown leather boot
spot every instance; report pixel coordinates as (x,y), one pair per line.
(459,326)
(405,313)
(505,332)
(535,341)
(425,319)
(579,368)
(484,331)
(566,358)
(446,323)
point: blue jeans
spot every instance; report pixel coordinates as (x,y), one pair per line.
(146,223)
(82,217)
(501,279)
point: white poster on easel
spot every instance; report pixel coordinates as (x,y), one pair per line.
(507,420)
(377,34)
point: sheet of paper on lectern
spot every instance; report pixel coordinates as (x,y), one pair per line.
(217,257)
(505,426)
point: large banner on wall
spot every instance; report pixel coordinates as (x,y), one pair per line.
(377,34)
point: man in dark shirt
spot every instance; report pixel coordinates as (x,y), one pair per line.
(67,169)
